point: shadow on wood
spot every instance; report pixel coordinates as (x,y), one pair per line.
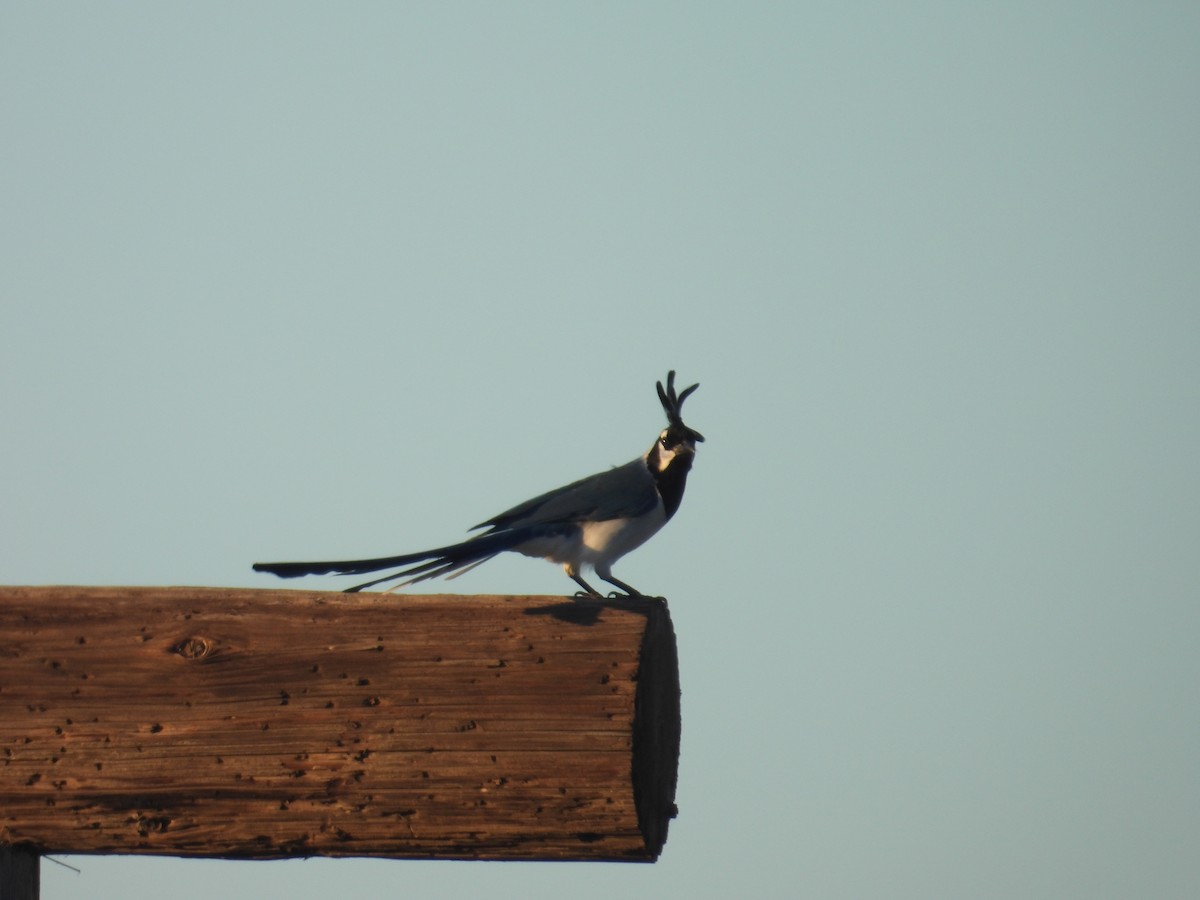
(265,724)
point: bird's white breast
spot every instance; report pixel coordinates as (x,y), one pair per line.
(607,541)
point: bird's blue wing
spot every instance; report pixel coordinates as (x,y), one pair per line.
(624,491)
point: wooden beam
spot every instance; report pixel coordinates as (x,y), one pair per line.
(267,724)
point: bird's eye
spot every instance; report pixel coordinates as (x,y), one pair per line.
(665,441)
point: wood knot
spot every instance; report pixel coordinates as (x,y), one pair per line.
(193,648)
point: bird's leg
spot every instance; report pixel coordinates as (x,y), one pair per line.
(631,593)
(629,590)
(588,590)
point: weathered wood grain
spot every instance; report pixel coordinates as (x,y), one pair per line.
(263,724)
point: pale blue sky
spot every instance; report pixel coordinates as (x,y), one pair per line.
(287,280)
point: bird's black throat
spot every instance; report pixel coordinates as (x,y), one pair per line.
(671,481)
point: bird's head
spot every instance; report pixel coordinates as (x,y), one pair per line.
(676,440)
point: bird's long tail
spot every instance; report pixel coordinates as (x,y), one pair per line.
(448,561)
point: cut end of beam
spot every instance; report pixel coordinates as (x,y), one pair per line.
(20,873)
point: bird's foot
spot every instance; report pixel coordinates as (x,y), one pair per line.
(632,595)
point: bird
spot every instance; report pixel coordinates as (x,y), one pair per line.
(589,523)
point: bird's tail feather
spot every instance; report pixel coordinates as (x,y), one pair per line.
(342,567)
(432,569)
(453,559)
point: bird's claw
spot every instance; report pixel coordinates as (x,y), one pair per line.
(620,595)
